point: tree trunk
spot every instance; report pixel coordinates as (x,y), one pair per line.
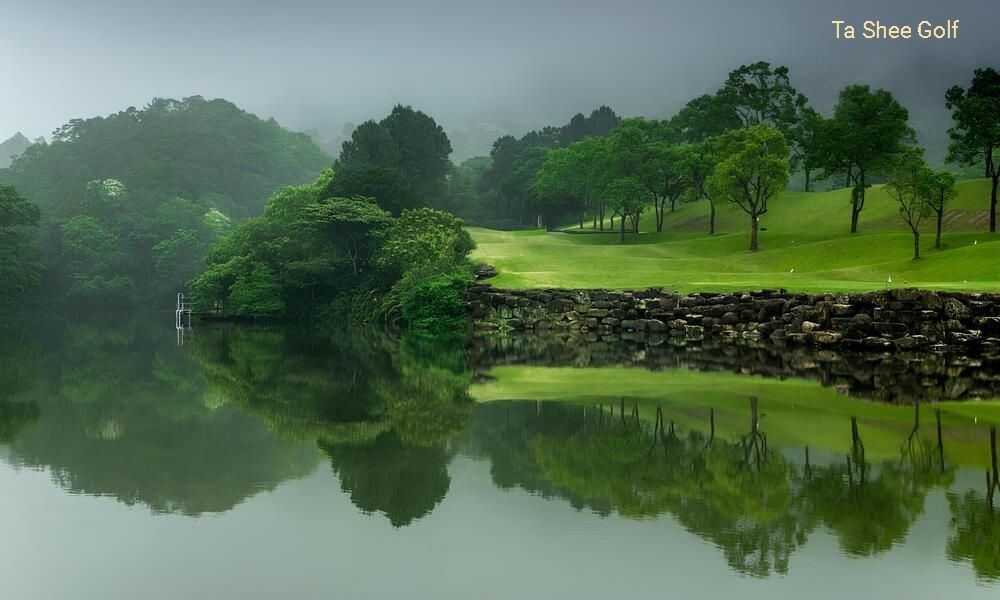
(857,201)
(711,217)
(612,224)
(581,220)
(937,240)
(753,233)
(660,209)
(993,204)
(916,244)
(622,220)
(601,220)
(635,223)
(806,169)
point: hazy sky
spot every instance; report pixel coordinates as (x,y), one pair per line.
(515,63)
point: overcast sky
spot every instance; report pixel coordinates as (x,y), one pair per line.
(514,63)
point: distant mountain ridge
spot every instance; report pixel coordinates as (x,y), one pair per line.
(12,147)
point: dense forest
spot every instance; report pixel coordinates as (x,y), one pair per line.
(130,202)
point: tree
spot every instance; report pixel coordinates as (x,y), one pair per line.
(400,161)
(696,163)
(938,188)
(906,186)
(18,271)
(516,160)
(350,224)
(868,131)
(760,94)
(806,138)
(626,196)
(645,149)
(706,116)
(559,186)
(976,134)
(257,293)
(424,242)
(754,170)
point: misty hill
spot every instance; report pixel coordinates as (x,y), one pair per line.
(12,148)
(198,149)
(131,202)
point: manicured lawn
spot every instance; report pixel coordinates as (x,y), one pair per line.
(807,246)
(794,412)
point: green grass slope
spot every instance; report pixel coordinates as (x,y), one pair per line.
(807,246)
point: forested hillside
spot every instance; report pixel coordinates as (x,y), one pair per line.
(130,202)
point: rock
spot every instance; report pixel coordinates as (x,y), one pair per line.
(826,338)
(954,309)
(799,338)
(694,332)
(730,318)
(809,326)
(656,326)
(913,342)
(484,271)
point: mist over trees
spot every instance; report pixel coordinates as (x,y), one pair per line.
(130,202)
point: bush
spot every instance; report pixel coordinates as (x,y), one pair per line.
(436,305)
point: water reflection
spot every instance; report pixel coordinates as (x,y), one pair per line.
(111,409)
(117,409)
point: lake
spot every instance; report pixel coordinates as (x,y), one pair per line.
(246,462)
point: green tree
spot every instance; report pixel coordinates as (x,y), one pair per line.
(806,138)
(754,170)
(907,181)
(696,162)
(256,293)
(868,131)
(351,224)
(975,135)
(18,270)
(760,94)
(938,189)
(626,196)
(705,117)
(400,161)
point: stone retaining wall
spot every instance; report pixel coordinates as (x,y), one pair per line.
(886,320)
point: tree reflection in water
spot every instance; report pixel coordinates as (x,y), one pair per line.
(115,410)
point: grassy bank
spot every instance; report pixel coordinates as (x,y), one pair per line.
(806,246)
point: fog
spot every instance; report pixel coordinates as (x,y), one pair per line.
(513,65)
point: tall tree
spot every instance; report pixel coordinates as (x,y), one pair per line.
(976,134)
(761,94)
(754,170)
(938,189)
(906,186)
(400,161)
(868,131)
(806,139)
(696,163)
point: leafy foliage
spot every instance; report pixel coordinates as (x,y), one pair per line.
(311,255)
(18,269)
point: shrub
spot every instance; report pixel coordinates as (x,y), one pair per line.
(436,305)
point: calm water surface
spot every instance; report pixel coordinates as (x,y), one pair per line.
(278,463)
